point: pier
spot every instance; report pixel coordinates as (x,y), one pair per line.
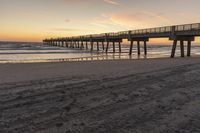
(179,34)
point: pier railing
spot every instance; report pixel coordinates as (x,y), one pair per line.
(188,27)
(148,31)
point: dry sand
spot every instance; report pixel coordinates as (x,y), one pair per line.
(129,96)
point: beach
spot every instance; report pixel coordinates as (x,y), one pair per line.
(119,96)
(99,66)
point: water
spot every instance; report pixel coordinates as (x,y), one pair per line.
(36,52)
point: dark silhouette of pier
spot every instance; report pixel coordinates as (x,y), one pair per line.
(178,33)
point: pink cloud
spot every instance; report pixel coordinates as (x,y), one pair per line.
(138,20)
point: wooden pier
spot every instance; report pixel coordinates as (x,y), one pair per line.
(177,33)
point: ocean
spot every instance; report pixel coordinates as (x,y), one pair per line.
(16,52)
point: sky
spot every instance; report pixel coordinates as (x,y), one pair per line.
(34,20)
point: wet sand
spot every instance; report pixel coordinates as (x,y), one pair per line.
(129,96)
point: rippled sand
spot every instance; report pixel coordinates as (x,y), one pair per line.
(140,96)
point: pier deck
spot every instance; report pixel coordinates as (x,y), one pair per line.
(177,33)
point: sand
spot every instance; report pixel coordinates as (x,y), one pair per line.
(129,96)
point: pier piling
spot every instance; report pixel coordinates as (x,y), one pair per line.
(86,45)
(113,47)
(131,48)
(92,45)
(174,49)
(138,47)
(120,49)
(107,46)
(97,46)
(103,45)
(182,48)
(145,48)
(189,48)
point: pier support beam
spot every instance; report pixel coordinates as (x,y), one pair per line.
(92,45)
(174,49)
(82,46)
(113,47)
(189,49)
(97,46)
(78,44)
(62,45)
(86,45)
(67,44)
(138,47)
(74,45)
(189,39)
(182,48)
(103,45)
(107,46)
(131,48)
(145,48)
(138,40)
(71,43)
(120,49)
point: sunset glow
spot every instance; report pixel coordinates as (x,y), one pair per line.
(34,20)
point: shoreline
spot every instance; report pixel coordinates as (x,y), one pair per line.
(16,72)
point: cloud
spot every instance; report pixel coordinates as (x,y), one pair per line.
(99,24)
(139,20)
(127,20)
(112,2)
(159,16)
